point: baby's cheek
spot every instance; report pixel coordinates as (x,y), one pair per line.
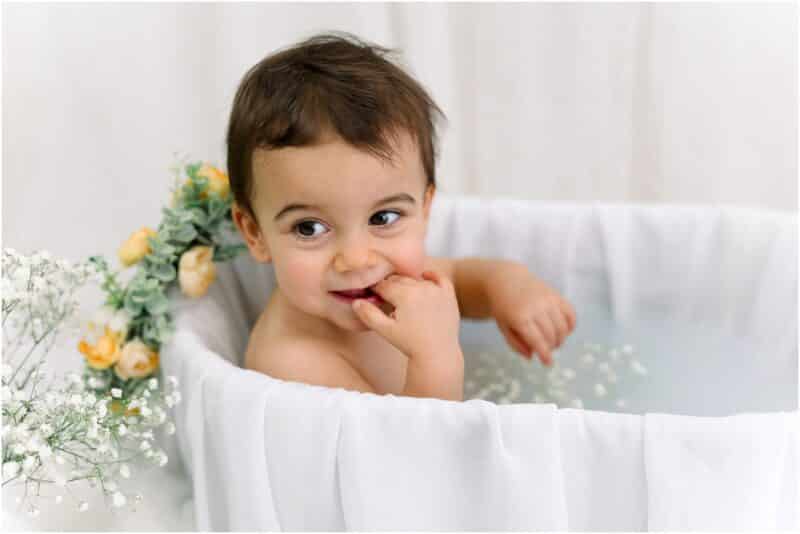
(408,258)
(297,276)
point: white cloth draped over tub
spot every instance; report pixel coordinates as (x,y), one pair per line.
(265,454)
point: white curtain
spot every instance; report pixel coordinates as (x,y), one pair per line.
(663,103)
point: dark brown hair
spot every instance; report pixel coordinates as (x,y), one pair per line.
(332,82)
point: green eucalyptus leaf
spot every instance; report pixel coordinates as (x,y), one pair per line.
(185,234)
(157,304)
(164,272)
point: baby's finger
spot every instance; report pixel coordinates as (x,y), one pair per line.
(569,312)
(533,336)
(561,326)
(432,276)
(515,340)
(389,290)
(546,327)
(373,317)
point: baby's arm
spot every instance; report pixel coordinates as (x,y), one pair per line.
(471,278)
(532,316)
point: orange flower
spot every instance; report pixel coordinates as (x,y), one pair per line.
(105,352)
(136,247)
(136,361)
(196,270)
(218,181)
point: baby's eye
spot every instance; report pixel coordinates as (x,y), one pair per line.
(305,229)
(381,217)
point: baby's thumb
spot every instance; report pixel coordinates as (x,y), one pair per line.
(372,316)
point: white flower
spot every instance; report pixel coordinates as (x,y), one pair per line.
(152,383)
(173,381)
(125,471)
(116,393)
(162,459)
(168,401)
(119,499)
(170,428)
(145,445)
(28,463)
(10,470)
(102,409)
(146,411)
(74,378)
(176,395)
(122,429)
(119,322)
(83,506)
(638,368)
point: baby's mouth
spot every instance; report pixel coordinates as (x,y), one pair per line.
(356,293)
(365,293)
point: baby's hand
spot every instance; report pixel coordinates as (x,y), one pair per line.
(530,314)
(425,319)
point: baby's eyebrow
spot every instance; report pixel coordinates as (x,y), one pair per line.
(401,197)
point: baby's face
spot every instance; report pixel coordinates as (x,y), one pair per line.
(334,218)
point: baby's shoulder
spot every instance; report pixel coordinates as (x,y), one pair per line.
(303,360)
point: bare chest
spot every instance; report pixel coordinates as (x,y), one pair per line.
(381,364)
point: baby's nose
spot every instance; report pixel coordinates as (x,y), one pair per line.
(354,258)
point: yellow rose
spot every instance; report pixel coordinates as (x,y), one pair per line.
(136,361)
(217,180)
(196,270)
(105,352)
(136,247)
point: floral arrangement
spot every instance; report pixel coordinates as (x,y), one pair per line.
(122,344)
(94,428)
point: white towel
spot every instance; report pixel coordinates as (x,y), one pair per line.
(722,473)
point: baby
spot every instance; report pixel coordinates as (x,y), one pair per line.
(331,162)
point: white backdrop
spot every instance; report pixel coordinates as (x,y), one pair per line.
(661,103)
(679,103)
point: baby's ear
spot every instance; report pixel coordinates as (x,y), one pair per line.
(252,234)
(430,190)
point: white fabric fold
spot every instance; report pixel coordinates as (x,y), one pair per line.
(721,473)
(425,464)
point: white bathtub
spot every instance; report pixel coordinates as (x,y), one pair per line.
(707,298)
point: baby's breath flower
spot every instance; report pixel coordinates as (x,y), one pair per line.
(145,445)
(119,499)
(170,428)
(116,393)
(122,429)
(125,471)
(152,383)
(10,470)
